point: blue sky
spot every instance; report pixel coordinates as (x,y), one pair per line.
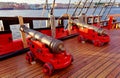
(42,1)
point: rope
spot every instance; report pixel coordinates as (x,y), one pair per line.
(76,8)
(83,7)
(102,9)
(52,9)
(47,6)
(96,8)
(105,9)
(110,9)
(43,11)
(73,12)
(89,6)
(68,6)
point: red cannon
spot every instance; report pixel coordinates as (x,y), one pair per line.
(47,49)
(92,33)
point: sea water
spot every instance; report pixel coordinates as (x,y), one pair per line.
(37,13)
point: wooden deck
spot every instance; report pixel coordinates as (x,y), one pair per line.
(89,62)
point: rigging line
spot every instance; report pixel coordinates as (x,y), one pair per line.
(68,6)
(76,8)
(89,6)
(96,8)
(83,7)
(102,8)
(106,9)
(110,9)
(47,5)
(44,9)
(52,9)
(74,11)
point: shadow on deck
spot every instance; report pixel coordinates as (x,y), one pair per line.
(89,61)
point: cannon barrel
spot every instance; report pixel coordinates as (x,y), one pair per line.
(97,29)
(55,45)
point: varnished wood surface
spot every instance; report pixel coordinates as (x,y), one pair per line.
(89,62)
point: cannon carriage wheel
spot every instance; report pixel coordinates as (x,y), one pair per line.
(30,57)
(98,43)
(48,68)
(81,39)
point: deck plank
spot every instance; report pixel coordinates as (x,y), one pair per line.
(104,73)
(114,72)
(89,61)
(92,64)
(89,54)
(101,67)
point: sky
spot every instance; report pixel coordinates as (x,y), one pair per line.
(43,1)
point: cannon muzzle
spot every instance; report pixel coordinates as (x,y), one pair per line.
(97,29)
(55,45)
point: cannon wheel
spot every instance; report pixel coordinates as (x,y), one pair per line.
(81,39)
(98,43)
(101,44)
(48,68)
(30,57)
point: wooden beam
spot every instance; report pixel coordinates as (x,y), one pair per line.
(22,33)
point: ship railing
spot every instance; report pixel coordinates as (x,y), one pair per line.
(7,21)
(116,25)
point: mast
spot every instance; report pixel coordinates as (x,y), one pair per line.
(83,7)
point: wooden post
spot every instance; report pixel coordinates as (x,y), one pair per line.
(1,26)
(62,22)
(53,26)
(22,33)
(48,22)
(69,23)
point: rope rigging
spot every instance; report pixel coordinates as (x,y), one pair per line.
(101,11)
(94,11)
(68,6)
(110,9)
(82,7)
(76,8)
(105,9)
(44,8)
(47,6)
(89,7)
(52,9)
